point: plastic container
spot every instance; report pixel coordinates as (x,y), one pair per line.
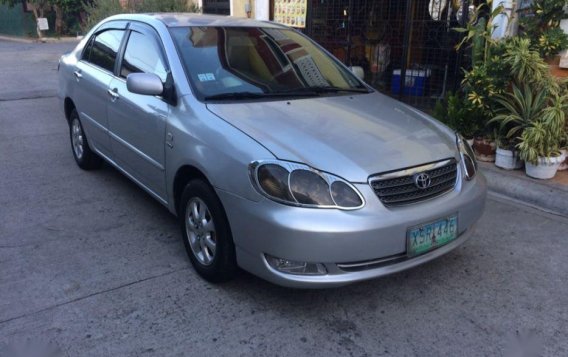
(414,84)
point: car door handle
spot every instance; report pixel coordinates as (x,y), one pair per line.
(113,93)
(78,74)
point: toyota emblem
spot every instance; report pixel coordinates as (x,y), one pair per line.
(422,181)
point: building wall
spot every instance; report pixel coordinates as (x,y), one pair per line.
(15,22)
(238,8)
(262,10)
(259,8)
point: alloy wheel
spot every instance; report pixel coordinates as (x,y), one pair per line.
(77,138)
(200,230)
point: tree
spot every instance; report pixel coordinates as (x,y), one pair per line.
(60,7)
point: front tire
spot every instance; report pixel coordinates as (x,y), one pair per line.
(206,232)
(84,156)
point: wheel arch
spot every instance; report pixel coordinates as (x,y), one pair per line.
(183,175)
(68,106)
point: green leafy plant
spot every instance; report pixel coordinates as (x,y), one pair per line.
(458,113)
(509,84)
(525,64)
(489,75)
(552,41)
(534,144)
(484,81)
(518,110)
(479,31)
(67,12)
(543,28)
(164,6)
(542,137)
(98,10)
(564,139)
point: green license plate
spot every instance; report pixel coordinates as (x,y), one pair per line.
(425,237)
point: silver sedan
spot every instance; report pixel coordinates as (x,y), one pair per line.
(275,157)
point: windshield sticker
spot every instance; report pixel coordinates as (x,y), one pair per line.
(206,77)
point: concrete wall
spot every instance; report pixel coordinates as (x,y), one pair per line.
(15,22)
(262,10)
(259,8)
(238,8)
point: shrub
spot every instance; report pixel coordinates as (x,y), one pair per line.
(543,28)
(552,41)
(458,113)
(98,10)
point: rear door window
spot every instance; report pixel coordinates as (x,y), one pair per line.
(104,49)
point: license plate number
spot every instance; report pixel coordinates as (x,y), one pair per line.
(425,237)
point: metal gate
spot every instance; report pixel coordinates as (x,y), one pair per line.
(406,47)
(220,7)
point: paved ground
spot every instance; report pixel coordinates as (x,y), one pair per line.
(91,263)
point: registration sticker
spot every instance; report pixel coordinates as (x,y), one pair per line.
(206,77)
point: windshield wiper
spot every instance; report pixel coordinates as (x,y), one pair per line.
(293,92)
(324,89)
(331,89)
(253,95)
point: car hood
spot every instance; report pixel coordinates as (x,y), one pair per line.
(350,136)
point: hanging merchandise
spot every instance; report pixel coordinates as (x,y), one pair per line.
(458,7)
(436,7)
(381,58)
(290,12)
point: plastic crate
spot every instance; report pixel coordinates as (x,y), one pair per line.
(414,84)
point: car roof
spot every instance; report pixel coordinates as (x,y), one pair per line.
(172,19)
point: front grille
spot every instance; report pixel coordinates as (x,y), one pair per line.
(399,188)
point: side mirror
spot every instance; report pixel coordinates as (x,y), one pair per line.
(144,83)
(358,72)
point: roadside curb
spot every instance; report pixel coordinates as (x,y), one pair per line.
(17,39)
(549,196)
(36,40)
(60,39)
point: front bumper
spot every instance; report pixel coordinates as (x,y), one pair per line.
(338,238)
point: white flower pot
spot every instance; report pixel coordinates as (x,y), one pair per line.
(545,168)
(564,164)
(508,159)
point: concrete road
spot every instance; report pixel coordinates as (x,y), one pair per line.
(92,264)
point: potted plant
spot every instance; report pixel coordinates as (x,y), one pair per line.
(516,111)
(541,158)
(507,156)
(550,43)
(485,148)
(539,143)
(543,29)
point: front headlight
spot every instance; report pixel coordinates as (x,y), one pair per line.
(300,185)
(467,156)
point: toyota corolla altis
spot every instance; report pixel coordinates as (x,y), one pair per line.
(275,157)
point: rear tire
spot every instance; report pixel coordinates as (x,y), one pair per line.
(206,233)
(84,156)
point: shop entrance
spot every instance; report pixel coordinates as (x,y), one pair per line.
(406,47)
(220,7)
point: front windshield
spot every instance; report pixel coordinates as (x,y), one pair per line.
(257,61)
